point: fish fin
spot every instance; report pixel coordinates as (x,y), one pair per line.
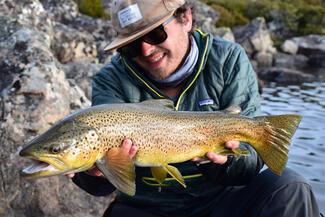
(273,144)
(165,104)
(119,169)
(159,173)
(174,172)
(233,109)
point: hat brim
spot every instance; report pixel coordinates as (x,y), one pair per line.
(121,41)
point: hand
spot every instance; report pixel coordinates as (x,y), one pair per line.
(127,147)
(216,158)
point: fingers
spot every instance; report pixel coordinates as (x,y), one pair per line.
(129,148)
(232,144)
(94,172)
(211,157)
(216,158)
(126,146)
(70,175)
(133,151)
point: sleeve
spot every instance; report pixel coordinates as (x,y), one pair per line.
(97,186)
(105,87)
(240,88)
(104,90)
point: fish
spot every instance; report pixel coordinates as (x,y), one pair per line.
(92,137)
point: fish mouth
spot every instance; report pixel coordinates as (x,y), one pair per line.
(40,168)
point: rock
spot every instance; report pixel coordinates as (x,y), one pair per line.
(264,59)
(35,93)
(312,46)
(81,72)
(70,45)
(255,37)
(205,16)
(256,40)
(289,47)
(61,11)
(290,61)
(285,76)
(225,33)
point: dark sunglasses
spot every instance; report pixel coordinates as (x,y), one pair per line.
(154,37)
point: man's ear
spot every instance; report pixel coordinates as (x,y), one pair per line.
(188,20)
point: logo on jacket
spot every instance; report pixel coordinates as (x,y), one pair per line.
(206,102)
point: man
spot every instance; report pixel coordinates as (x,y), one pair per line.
(161,57)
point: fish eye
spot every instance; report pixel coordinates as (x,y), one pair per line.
(55,149)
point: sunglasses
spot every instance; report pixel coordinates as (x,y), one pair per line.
(154,37)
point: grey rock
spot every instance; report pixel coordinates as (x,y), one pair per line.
(70,45)
(264,59)
(289,46)
(34,94)
(225,33)
(81,72)
(255,37)
(291,61)
(285,76)
(312,46)
(205,17)
(61,11)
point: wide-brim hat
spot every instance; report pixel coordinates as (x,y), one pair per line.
(132,19)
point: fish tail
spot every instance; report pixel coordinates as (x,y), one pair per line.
(274,141)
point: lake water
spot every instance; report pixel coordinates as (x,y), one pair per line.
(307,153)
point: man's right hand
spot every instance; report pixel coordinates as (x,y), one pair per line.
(127,147)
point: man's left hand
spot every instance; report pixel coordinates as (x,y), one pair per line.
(216,158)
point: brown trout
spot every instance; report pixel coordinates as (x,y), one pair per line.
(92,137)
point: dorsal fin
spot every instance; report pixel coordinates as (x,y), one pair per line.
(165,104)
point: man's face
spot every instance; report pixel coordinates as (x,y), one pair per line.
(163,59)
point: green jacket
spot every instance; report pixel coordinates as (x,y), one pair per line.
(223,76)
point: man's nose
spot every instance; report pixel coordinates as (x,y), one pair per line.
(147,49)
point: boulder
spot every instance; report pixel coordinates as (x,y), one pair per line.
(70,44)
(205,16)
(35,93)
(285,76)
(312,46)
(289,47)
(257,42)
(225,33)
(264,59)
(81,73)
(255,37)
(285,60)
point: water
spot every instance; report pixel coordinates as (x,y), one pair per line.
(307,153)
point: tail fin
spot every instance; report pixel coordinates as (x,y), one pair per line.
(274,142)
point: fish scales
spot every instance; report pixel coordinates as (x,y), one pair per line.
(183,132)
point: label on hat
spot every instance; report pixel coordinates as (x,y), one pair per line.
(129,15)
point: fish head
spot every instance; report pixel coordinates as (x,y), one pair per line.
(67,147)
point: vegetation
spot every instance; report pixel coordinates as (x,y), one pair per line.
(298,17)
(93,8)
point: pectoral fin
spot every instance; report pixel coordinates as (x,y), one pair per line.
(159,173)
(119,169)
(173,172)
